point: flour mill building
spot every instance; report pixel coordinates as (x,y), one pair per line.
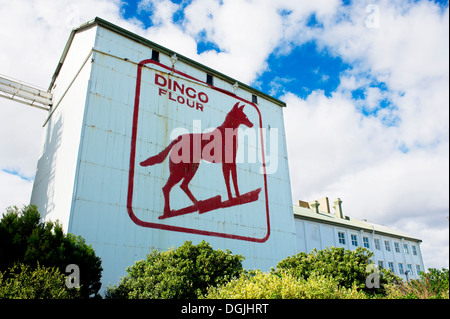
(319,226)
(145,149)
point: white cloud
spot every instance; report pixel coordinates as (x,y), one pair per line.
(160,11)
(246,33)
(328,138)
(390,172)
(34,34)
(21,191)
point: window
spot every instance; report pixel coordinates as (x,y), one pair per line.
(254,99)
(414,250)
(391,266)
(341,236)
(387,245)
(410,269)
(209,79)
(380,264)
(405,247)
(397,247)
(155,55)
(418,269)
(366,242)
(377,243)
(354,240)
(400,268)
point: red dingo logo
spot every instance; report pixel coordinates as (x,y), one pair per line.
(186,152)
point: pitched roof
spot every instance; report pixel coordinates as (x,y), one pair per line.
(110,26)
(348,222)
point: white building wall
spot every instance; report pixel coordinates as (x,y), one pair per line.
(399,257)
(56,168)
(318,235)
(84,172)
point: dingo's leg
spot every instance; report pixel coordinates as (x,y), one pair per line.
(191,169)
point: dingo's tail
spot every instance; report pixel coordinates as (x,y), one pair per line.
(159,158)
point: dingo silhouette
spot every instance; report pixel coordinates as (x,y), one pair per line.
(217,146)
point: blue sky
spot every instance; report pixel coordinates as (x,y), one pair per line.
(366,87)
(302,70)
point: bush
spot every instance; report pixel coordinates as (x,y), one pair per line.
(180,273)
(23,282)
(282,285)
(349,268)
(432,285)
(24,238)
(438,281)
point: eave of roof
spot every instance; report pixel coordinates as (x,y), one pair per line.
(108,25)
(330,219)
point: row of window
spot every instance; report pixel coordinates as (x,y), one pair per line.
(401,269)
(354,238)
(387,243)
(387,247)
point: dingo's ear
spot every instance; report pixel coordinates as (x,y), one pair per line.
(241,108)
(235,107)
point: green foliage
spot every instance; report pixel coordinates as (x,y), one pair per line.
(349,268)
(283,285)
(180,273)
(438,281)
(432,285)
(23,282)
(24,238)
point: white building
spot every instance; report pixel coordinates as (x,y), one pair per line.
(316,226)
(119,102)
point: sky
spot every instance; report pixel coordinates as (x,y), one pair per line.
(366,85)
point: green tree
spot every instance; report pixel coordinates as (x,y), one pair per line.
(347,267)
(180,273)
(24,238)
(23,282)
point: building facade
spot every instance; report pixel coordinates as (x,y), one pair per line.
(145,149)
(316,226)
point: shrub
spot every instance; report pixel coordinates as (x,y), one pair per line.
(282,285)
(432,285)
(180,273)
(23,282)
(24,238)
(349,268)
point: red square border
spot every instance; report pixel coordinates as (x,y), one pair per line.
(142,223)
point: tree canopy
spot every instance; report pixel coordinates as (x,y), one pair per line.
(26,239)
(182,273)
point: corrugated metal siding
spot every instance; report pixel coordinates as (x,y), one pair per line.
(99,209)
(56,169)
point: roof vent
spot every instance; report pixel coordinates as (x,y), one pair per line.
(303,204)
(338,208)
(324,205)
(314,206)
